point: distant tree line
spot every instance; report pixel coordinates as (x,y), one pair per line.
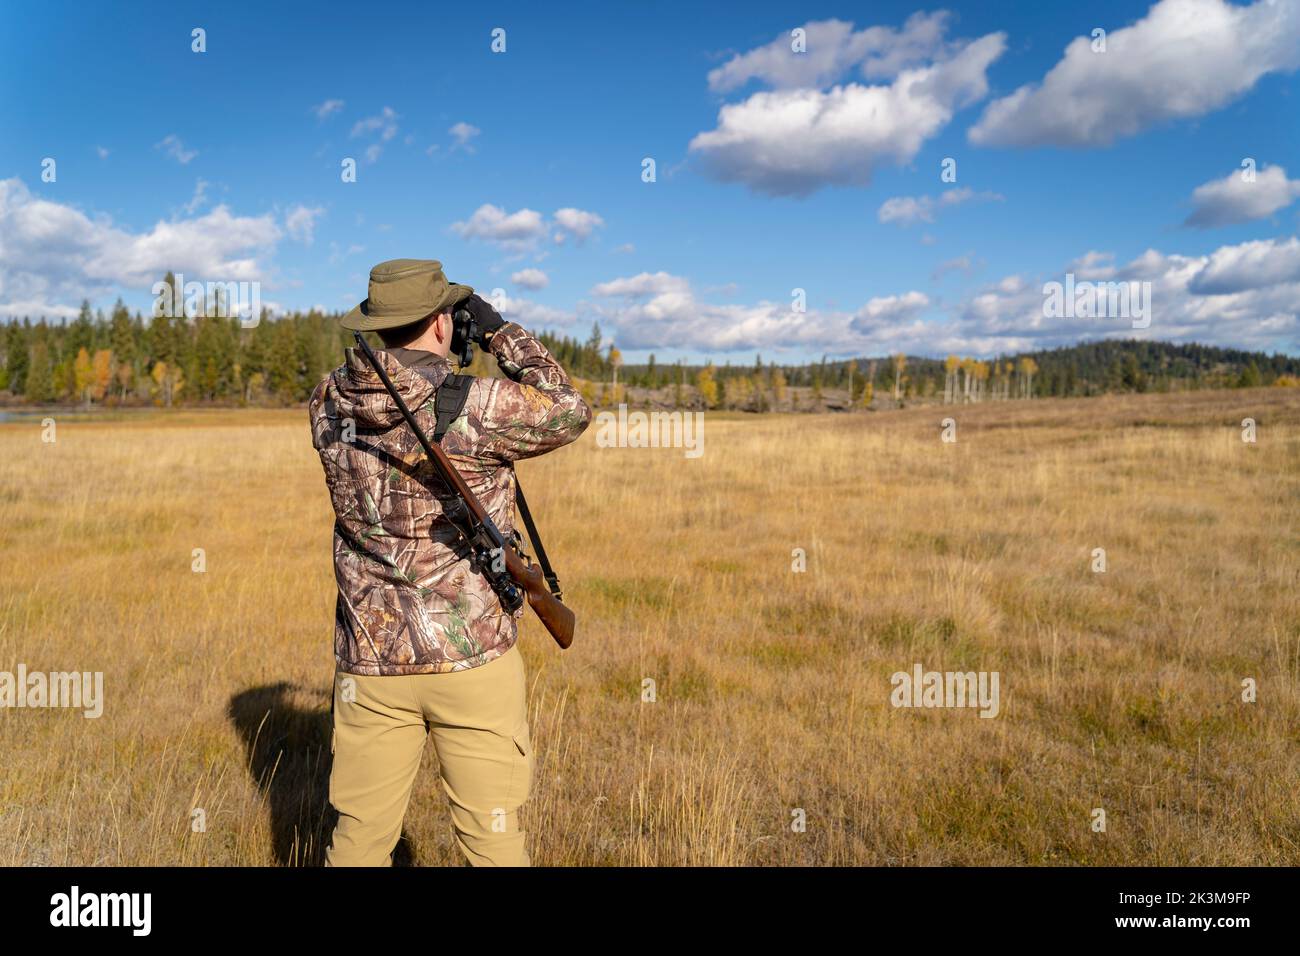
(1093,368)
(119,359)
(124,358)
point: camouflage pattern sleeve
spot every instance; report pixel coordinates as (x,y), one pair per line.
(315,406)
(535,411)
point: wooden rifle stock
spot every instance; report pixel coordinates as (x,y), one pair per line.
(554,615)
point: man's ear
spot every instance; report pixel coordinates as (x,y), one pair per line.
(443,329)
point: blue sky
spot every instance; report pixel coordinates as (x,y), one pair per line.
(776,170)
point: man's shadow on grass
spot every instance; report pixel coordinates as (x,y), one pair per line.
(288,750)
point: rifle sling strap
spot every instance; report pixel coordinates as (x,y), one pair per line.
(552,581)
(449,402)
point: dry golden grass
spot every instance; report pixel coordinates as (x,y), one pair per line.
(1119,690)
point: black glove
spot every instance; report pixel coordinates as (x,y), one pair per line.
(486,319)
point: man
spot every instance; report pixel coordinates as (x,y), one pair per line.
(421,643)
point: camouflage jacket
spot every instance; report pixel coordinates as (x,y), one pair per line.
(408,602)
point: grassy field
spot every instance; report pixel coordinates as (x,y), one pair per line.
(1119,690)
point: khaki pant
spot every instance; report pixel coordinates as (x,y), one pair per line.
(479,723)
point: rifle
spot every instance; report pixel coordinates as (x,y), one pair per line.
(505,568)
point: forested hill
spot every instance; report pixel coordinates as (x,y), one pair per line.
(1090,368)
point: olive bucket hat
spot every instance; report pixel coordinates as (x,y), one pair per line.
(403,291)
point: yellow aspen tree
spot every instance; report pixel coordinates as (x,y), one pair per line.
(101,374)
(1033,370)
(168,381)
(706,381)
(125,377)
(158,374)
(83,375)
(1027,368)
(778,386)
(739,391)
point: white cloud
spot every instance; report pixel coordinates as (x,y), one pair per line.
(533,315)
(1241,296)
(300,223)
(530,279)
(101,152)
(794,141)
(338,253)
(373,152)
(327,109)
(888,310)
(1232,199)
(577,222)
(1093,265)
(53,255)
(198,199)
(966,264)
(643,284)
(384,124)
(832,48)
(626,248)
(661,310)
(1248,266)
(462,133)
(1183,59)
(907,210)
(174,148)
(520,232)
(513,231)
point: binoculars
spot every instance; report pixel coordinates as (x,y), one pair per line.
(464,330)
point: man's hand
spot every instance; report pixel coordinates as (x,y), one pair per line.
(486,319)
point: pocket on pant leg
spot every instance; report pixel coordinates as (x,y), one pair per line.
(521,777)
